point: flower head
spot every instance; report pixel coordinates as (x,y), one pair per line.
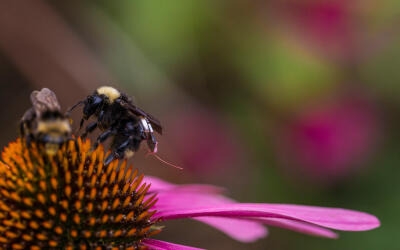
(71,200)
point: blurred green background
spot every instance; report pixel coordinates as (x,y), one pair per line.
(284,101)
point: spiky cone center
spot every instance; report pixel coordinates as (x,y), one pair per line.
(71,200)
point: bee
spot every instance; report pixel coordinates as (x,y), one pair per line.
(44,123)
(117,117)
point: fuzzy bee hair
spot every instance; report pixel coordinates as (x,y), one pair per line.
(56,126)
(44,123)
(118,118)
(110,92)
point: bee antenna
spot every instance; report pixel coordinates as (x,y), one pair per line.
(164,161)
(73,107)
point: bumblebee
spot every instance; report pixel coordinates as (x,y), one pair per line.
(44,123)
(117,117)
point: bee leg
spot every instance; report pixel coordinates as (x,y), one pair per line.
(104,136)
(101,115)
(89,128)
(28,140)
(117,152)
(73,107)
(109,159)
(152,143)
(81,123)
(21,129)
(123,146)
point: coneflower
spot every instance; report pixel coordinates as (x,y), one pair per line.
(72,201)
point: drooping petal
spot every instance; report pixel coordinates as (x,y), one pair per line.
(238,229)
(176,199)
(298,226)
(158,185)
(163,245)
(334,218)
(181,201)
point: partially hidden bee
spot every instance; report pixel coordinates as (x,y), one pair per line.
(44,123)
(117,117)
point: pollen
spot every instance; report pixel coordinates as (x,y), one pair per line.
(70,200)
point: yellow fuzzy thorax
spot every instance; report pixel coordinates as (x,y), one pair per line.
(110,92)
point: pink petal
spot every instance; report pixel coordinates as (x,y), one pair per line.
(158,185)
(238,229)
(183,200)
(334,218)
(162,245)
(298,226)
(172,201)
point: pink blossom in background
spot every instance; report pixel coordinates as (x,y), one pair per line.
(331,139)
(328,25)
(245,221)
(196,133)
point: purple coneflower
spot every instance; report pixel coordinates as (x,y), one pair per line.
(330,141)
(72,201)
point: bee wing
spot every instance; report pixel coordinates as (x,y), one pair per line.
(155,123)
(28,115)
(44,100)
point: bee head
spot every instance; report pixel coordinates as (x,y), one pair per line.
(102,96)
(92,104)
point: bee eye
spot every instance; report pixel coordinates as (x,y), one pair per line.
(96,100)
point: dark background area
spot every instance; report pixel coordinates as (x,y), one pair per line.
(277,101)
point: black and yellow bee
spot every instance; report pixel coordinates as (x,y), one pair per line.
(44,123)
(119,118)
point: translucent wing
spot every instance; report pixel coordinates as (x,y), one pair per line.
(155,123)
(44,100)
